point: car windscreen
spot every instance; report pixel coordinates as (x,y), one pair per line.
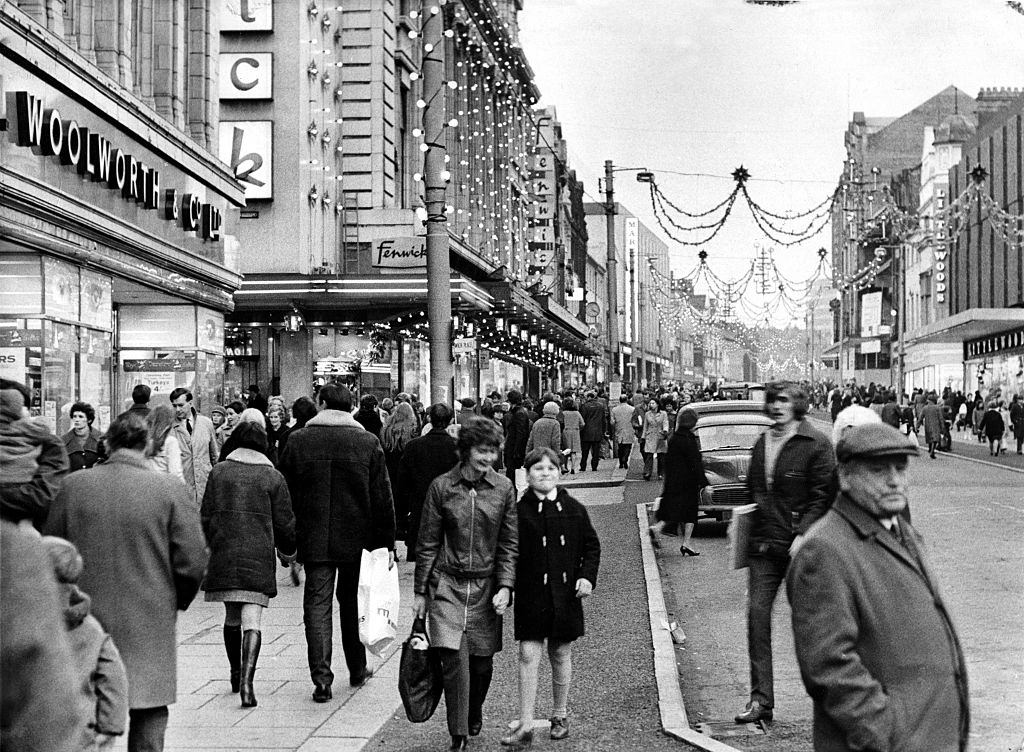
(732,435)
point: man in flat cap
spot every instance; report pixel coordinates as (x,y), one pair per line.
(877,650)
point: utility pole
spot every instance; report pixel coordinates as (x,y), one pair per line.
(439,296)
(611,271)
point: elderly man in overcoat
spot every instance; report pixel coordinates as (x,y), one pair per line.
(877,649)
(144,550)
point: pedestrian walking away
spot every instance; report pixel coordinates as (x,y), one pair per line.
(246,515)
(622,429)
(516,424)
(341,495)
(140,536)
(465,572)
(572,424)
(559,555)
(425,458)
(877,649)
(932,419)
(400,430)
(595,428)
(790,480)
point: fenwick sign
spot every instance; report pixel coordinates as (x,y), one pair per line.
(95,158)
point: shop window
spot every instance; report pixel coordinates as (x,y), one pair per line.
(21,284)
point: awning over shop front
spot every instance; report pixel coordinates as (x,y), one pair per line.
(970,324)
(263,291)
(513,305)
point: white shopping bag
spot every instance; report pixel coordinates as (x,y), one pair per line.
(378,601)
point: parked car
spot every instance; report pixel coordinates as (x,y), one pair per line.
(727,430)
(741,390)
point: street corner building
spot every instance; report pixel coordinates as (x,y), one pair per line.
(116,217)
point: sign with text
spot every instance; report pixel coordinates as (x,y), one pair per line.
(246,15)
(248,147)
(542,209)
(246,75)
(543,161)
(12,363)
(870,314)
(464,346)
(400,253)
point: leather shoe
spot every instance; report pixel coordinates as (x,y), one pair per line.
(459,743)
(475,727)
(358,680)
(754,712)
(559,728)
(322,692)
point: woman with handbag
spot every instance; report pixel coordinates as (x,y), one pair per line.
(684,479)
(465,571)
(559,555)
(246,513)
(654,437)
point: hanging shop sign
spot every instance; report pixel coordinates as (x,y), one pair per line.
(246,75)
(464,346)
(400,253)
(248,146)
(96,158)
(246,15)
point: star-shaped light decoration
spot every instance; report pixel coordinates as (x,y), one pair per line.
(703,256)
(822,253)
(741,174)
(979,174)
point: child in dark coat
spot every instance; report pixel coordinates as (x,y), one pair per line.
(103,681)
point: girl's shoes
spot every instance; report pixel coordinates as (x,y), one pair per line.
(687,551)
(521,736)
(559,728)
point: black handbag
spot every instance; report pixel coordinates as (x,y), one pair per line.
(419,675)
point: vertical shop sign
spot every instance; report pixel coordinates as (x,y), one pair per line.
(246,15)
(246,75)
(248,145)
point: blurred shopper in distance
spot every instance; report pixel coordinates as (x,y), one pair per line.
(595,428)
(303,410)
(140,533)
(248,415)
(993,427)
(218,416)
(400,430)
(546,431)
(341,495)
(232,412)
(930,416)
(40,692)
(654,438)
(199,447)
(33,459)
(622,428)
(368,416)
(559,555)
(516,423)
(878,652)
(572,424)
(465,572)
(246,514)
(84,444)
(791,481)
(164,451)
(141,394)
(277,424)
(256,400)
(1017,421)
(101,680)
(426,457)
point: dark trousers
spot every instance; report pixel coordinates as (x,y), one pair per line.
(766,576)
(649,463)
(146,729)
(624,452)
(317,613)
(593,448)
(466,680)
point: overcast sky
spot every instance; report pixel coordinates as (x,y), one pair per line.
(702,86)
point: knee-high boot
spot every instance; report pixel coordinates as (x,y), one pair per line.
(251,640)
(233,647)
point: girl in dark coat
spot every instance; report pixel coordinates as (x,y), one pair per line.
(246,513)
(368,417)
(684,479)
(559,554)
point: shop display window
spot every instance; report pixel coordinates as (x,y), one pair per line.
(60,375)
(61,289)
(21,284)
(21,356)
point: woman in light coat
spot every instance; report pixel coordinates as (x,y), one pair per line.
(465,571)
(572,424)
(165,452)
(546,432)
(654,437)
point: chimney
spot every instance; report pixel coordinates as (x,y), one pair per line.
(992,99)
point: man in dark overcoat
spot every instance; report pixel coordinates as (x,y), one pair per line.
(517,434)
(790,480)
(877,649)
(425,458)
(595,427)
(144,550)
(341,495)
